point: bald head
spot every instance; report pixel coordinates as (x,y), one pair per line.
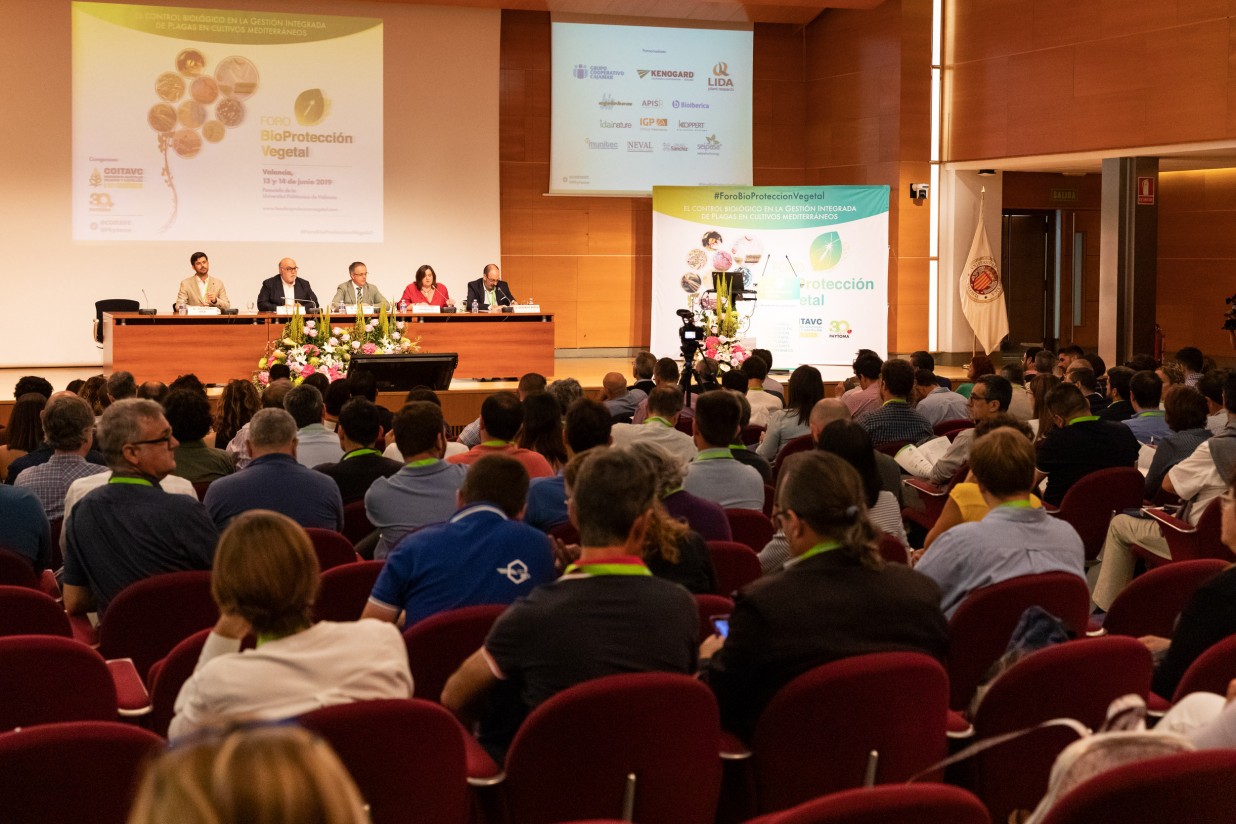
(825,412)
(287,271)
(615,384)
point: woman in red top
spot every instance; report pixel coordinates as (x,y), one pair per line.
(426,289)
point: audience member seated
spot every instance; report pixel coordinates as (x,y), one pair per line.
(965,503)
(364,384)
(606,615)
(1184,410)
(1014,538)
(274,480)
(1079,443)
(153,391)
(700,515)
(1119,407)
(94,392)
(664,406)
(771,384)
(213,779)
(742,453)
(763,403)
(1211,387)
(828,410)
(935,402)
(1197,480)
(482,555)
(24,528)
(1021,406)
(665,373)
(642,369)
(1147,423)
(422,393)
(784,425)
(618,399)
(423,491)
(588,425)
(541,431)
(895,420)
(502,415)
(990,396)
(358,430)
(1192,362)
(24,435)
(921,359)
(298,666)
(129,528)
(272,398)
(1208,618)
(1045,363)
(866,396)
(1042,424)
(189,414)
(120,386)
(1084,378)
(978,366)
(715,475)
(334,396)
(237,404)
(530,382)
(835,599)
(314,445)
(851,443)
(1065,359)
(68,428)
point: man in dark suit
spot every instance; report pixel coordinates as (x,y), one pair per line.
(285,284)
(489,290)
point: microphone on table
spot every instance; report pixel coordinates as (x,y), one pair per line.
(147,309)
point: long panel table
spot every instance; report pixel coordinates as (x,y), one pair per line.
(218,348)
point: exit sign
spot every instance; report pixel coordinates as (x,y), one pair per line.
(1064,194)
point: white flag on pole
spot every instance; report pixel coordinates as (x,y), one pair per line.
(982,293)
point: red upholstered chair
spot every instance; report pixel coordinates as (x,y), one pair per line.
(750,527)
(566,532)
(1151,603)
(1090,503)
(1077,680)
(345,591)
(199,489)
(770,499)
(931,498)
(356,526)
(405,755)
(891,447)
(45,679)
(686,425)
(1212,671)
(752,432)
(795,445)
(736,565)
(16,571)
(148,618)
(816,734)
(79,771)
(889,804)
(25,611)
(892,550)
(952,426)
(711,606)
(1187,787)
(1187,542)
(331,548)
(440,643)
(168,675)
(572,757)
(57,559)
(985,619)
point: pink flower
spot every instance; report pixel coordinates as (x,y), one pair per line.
(264,378)
(712,341)
(307,370)
(369,348)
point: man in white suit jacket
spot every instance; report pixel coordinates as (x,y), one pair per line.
(201,289)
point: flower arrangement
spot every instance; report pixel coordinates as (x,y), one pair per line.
(312,345)
(722,327)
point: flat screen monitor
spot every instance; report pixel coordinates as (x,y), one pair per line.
(399,373)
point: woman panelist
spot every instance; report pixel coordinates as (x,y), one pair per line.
(426,289)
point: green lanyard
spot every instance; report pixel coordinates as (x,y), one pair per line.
(894,400)
(714,454)
(422,462)
(128,479)
(1018,504)
(1151,413)
(355,453)
(1083,419)
(656,419)
(622,565)
(495,443)
(820,549)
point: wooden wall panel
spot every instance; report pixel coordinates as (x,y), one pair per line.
(1029,78)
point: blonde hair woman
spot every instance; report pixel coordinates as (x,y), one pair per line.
(265,580)
(262,775)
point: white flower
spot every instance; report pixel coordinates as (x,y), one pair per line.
(345,337)
(335,330)
(399,325)
(333,341)
(356,344)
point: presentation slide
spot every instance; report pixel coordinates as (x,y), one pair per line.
(283,111)
(642,106)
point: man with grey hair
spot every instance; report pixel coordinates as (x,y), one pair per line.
(274,480)
(68,428)
(121,385)
(272,398)
(315,444)
(130,529)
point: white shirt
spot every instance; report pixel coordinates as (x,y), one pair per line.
(679,444)
(78,489)
(201,288)
(762,403)
(289,292)
(452,448)
(329,663)
(1195,479)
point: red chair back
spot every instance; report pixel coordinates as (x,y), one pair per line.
(1212,671)
(750,527)
(751,433)
(405,755)
(168,675)
(567,533)
(30,612)
(331,548)
(983,623)
(770,499)
(1191,786)
(45,679)
(1151,603)
(80,771)
(891,448)
(16,571)
(1078,680)
(199,489)
(1204,541)
(150,617)
(795,445)
(889,804)
(952,426)
(1090,503)
(356,526)
(710,606)
(440,643)
(892,550)
(661,727)
(345,591)
(57,559)
(736,565)
(837,713)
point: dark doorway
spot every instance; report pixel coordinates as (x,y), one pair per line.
(1029,282)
